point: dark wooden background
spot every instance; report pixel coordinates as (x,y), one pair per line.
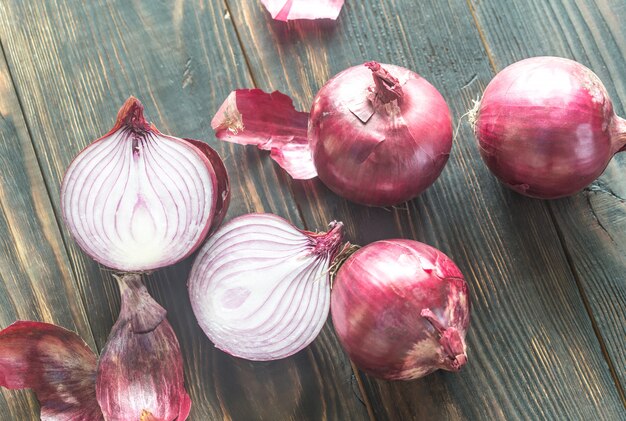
(548,279)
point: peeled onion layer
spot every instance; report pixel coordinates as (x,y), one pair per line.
(401,310)
(270,122)
(56,364)
(138,200)
(140,372)
(260,287)
(285,10)
(546,127)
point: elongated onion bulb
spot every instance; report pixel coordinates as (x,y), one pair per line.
(137,199)
(260,287)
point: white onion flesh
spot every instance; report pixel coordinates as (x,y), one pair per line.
(138,200)
(260,288)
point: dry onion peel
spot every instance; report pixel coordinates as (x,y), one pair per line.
(285,10)
(57,364)
(270,122)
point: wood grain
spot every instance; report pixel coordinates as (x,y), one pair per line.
(36,282)
(591,224)
(74,64)
(533,350)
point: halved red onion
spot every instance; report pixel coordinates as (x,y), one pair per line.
(138,200)
(303,9)
(260,286)
(401,310)
(546,127)
(140,371)
(57,364)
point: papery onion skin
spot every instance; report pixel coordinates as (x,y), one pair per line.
(546,127)
(57,364)
(260,287)
(401,310)
(138,200)
(377,149)
(285,10)
(140,372)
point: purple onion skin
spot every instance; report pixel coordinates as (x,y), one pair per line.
(140,371)
(56,364)
(393,157)
(546,127)
(401,310)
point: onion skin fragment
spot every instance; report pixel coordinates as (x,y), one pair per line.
(401,310)
(546,127)
(270,122)
(140,371)
(285,10)
(137,200)
(57,364)
(260,287)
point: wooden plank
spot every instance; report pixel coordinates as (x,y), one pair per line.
(533,353)
(36,282)
(592,224)
(74,64)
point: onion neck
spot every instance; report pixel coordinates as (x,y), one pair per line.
(326,244)
(131,116)
(387,88)
(451,342)
(618,134)
(138,307)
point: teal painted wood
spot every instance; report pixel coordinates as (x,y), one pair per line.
(74,64)
(36,281)
(533,351)
(592,224)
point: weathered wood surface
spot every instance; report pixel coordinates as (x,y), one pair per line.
(36,280)
(547,339)
(74,63)
(592,224)
(531,332)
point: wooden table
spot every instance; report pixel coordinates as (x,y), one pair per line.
(548,281)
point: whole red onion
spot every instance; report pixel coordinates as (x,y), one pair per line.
(546,127)
(379,143)
(137,199)
(401,310)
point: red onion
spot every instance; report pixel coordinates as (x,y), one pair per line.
(546,127)
(137,200)
(285,10)
(401,310)
(140,371)
(379,145)
(260,287)
(377,135)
